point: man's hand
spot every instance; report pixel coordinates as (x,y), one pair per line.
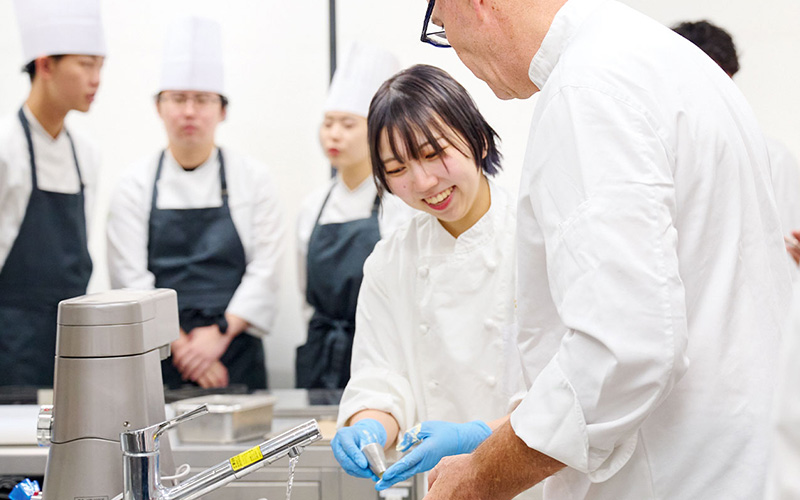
(216,376)
(454,478)
(502,467)
(205,346)
(236,324)
(793,246)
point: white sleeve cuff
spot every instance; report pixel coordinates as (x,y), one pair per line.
(550,420)
(378,389)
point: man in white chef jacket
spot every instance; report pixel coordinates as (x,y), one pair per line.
(202,220)
(652,276)
(47,178)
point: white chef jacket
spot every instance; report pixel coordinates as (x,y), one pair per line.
(784,481)
(55,171)
(434,323)
(786,182)
(255,209)
(646,202)
(344,205)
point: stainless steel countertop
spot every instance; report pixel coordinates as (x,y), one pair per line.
(292,408)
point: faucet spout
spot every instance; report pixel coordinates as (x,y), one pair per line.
(142,478)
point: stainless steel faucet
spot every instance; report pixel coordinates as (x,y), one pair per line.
(142,479)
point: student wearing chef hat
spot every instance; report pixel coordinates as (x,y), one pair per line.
(340,223)
(202,220)
(47,177)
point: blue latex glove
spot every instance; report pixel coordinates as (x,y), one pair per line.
(439,439)
(347,444)
(24,490)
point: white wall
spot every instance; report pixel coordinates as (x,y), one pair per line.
(277,70)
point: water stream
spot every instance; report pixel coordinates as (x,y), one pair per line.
(292,465)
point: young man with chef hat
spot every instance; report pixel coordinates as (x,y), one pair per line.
(202,220)
(47,175)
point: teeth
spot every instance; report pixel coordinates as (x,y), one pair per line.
(439,197)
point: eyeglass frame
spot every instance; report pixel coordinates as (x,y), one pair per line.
(222,99)
(424,37)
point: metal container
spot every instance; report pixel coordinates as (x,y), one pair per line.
(231,418)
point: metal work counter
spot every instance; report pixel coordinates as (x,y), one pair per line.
(317,477)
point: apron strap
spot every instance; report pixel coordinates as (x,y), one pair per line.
(155,181)
(325,202)
(376,205)
(75,157)
(26,127)
(223,183)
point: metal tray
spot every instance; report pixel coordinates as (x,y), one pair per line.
(230,418)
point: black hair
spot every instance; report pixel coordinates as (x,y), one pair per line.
(30,68)
(714,41)
(426,101)
(223,100)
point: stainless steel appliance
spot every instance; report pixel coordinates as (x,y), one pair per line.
(107,381)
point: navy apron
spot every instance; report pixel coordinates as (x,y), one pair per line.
(335,264)
(198,253)
(49,262)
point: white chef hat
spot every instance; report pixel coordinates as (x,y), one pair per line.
(359,77)
(193,56)
(56,27)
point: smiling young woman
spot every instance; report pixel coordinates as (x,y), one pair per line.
(436,307)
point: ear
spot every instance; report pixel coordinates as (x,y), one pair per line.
(44,66)
(224,114)
(480,8)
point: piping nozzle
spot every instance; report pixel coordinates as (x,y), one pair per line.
(375,457)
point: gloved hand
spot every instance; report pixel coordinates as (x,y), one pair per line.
(24,490)
(347,444)
(439,439)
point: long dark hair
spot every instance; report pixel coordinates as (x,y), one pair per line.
(426,101)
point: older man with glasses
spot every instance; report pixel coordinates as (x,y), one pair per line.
(652,275)
(203,221)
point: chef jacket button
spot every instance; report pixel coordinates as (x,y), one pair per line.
(491,380)
(432,385)
(488,324)
(423,272)
(491,265)
(423,328)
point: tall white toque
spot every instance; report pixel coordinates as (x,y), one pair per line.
(60,27)
(354,83)
(193,56)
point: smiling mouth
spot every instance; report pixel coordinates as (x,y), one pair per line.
(436,199)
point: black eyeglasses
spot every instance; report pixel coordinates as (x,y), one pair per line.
(436,38)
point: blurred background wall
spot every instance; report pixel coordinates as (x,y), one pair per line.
(277,71)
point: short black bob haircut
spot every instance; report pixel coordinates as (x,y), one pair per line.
(425,101)
(714,41)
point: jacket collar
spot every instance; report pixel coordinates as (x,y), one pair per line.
(566,23)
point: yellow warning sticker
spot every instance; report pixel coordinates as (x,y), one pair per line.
(246,458)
